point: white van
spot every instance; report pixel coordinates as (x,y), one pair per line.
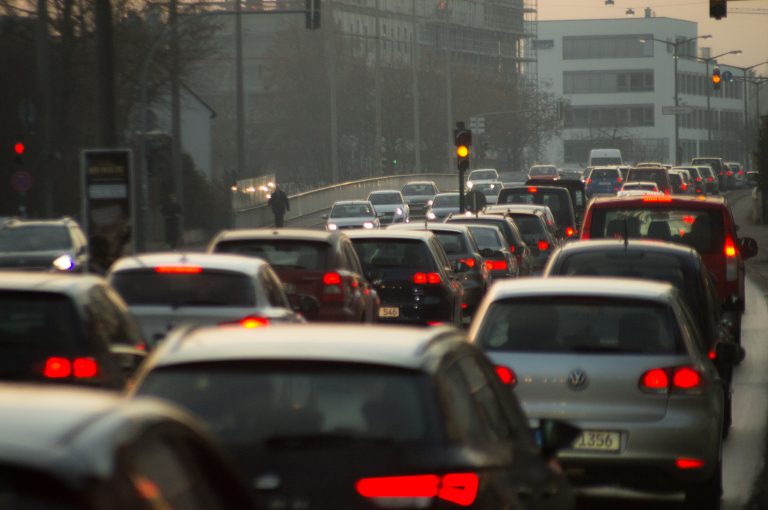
(603,157)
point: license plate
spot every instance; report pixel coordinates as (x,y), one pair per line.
(598,440)
(290,288)
(389,312)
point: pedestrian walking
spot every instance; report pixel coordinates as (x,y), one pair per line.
(171,211)
(278,202)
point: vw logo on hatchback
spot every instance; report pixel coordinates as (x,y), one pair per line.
(577,379)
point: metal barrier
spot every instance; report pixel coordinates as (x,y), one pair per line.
(315,202)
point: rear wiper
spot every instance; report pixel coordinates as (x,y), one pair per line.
(301,440)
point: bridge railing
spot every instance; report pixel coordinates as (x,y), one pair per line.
(314,202)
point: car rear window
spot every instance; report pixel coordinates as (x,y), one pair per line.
(419,189)
(641,186)
(446,201)
(486,237)
(296,404)
(206,288)
(34,238)
(543,170)
(351,210)
(658,176)
(605,174)
(554,200)
(37,321)
(280,253)
(385,198)
(701,229)
(394,254)
(580,324)
(529,225)
(483,175)
(453,243)
(675,179)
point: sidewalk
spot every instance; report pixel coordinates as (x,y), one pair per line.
(742,206)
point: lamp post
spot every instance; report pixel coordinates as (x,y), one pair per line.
(746,114)
(706,77)
(675,46)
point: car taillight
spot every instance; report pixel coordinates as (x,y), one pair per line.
(85,368)
(729,173)
(687,463)
(332,288)
(418,490)
(178,269)
(57,368)
(469,261)
(618,179)
(569,232)
(506,375)
(710,179)
(731,263)
(698,179)
(657,198)
(533,189)
(543,245)
(424,278)
(675,379)
(332,279)
(511,248)
(589,181)
(730,247)
(684,186)
(254,322)
(496,265)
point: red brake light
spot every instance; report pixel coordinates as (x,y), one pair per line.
(506,375)
(698,179)
(686,378)
(657,198)
(684,186)
(254,322)
(683,463)
(569,232)
(730,247)
(511,248)
(656,379)
(57,368)
(689,219)
(710,179)
(533,189)
(618,179)
(589,180)
(712,354)
(496,265)
(178,269)
(332,279)
(433,278)
(458,488)
(470,261)
(729,173)
(85,368)
(543,245)
(420,278)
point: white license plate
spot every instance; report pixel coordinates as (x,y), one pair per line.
(598,440)
(389,312)
(290,288)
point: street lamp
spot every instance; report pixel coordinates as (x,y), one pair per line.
(746,115)
(675,46)
(707,77)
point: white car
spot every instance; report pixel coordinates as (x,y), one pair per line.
(482,175)
(347,214)
(390,206)
(639,188)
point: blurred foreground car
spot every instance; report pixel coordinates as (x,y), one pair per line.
(320,271)
(164,290)
(347,214)
(77,449)
(362,417)
(66,329)
(43,245)
(620,359)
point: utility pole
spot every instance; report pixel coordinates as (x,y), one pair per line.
(239,93)
(415,53)
(176,168)
(331,53)
(44,105)
(448,87)
(106,75)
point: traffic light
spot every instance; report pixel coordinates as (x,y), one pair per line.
(718,9)
(716,79)
(19,148)
(462,138)
(312,14)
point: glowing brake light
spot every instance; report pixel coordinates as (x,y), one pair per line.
(332,278)
(254,322)
(506,375)
(424,278)
(618,179)
(662,380)
(85,368)
(419,490)
(61,368)
(689,219)
(589,180)
(657,198)
(698,179)
(686,378)
(57,368)
(684,463)
(543,245)
(730,247)
(496,265)
(178,269)
(569,232)
(710,179)
(533,189)
(655,379)
(470,262)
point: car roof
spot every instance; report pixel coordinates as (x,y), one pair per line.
(396,346)
(445,227)
(383,191)
(698,201)
(420,182)
(220,261)
(488,217)
(60,222)
(545,187)
(589,245)
(277,233)
(447,193)
(351,202)
(582,286)
(64,283)
(422,235)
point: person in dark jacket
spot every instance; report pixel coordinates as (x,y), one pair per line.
(278,202)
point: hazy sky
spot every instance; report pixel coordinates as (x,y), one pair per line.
(745,32)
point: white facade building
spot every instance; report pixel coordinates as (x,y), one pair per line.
(617,75)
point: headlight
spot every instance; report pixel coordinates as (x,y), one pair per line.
(64,263)
(429,202)
(332,226)
(368,224)
(469,184)
(399,212)
(431,215)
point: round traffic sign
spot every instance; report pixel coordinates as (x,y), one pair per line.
(21,181)
(474,201)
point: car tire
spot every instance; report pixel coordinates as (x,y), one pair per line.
(706,495)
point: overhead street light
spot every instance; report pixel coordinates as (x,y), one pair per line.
(675,46)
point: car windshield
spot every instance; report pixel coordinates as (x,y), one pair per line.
(483,175)
(419,189)
(280,253)
(34,238)
(529,225)
(446,201)
(553,199)
(37,322)
(453,243)
(403,254)
(699,228)
(643,174)
(605,161)
(486,237)
(385,198)
(604,174)
(205,288)
(543,170)
(580,324)
(351,211)
(295,404)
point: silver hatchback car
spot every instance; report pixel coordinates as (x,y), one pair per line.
(619,359)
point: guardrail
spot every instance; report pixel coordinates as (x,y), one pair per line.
(317,201)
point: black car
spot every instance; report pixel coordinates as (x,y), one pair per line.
(539,238)
(681,266)
(577,190)
(78,449)
(557,199)
(462,250)
(412,275)
(362,417)
(419,195)
(43,245)
(62,328)
(498,260)
(515,241)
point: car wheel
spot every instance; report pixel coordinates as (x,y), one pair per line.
(706,494)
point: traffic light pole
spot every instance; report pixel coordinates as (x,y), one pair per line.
(462,204)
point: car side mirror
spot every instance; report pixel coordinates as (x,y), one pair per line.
(552,435)
(128,358)
(729,353)
(748,247)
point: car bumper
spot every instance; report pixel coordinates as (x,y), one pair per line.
(413,313)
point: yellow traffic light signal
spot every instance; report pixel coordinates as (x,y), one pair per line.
(716,79)
(462,151)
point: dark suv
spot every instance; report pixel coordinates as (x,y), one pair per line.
(556,198)
(61,328)
(43,245)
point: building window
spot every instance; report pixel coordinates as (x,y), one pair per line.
(607,82)
(544,44)
(611,46)
(609,116)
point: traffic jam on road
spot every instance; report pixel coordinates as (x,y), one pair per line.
(404,355)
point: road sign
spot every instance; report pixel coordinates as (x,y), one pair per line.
(727,76)
(676,110)
(477,125)
(21,181)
